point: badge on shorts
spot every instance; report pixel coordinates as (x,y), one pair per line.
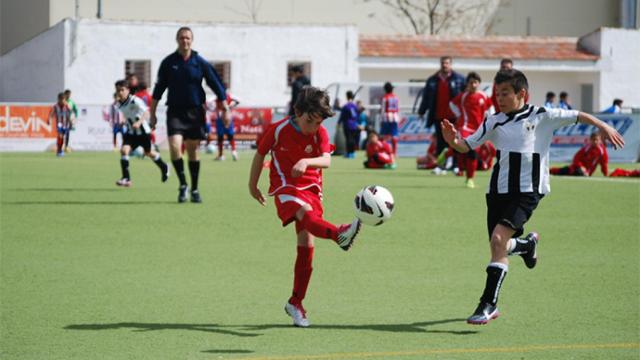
(308,149)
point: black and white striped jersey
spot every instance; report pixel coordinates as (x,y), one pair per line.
(522,140)
(133,109)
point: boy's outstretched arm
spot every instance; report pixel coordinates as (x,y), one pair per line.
(254,176)
(323,162)
(608,133)
(451,136)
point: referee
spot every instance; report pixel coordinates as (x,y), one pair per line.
(182,73)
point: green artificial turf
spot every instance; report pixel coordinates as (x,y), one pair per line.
(92,271)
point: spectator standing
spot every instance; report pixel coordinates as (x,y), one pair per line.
(439,89)
(300,80)
(564,102)
(390,110)
(349,121)
(615,108)
(550,100)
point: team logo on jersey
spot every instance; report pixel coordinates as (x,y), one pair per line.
(529,126)
(308,149)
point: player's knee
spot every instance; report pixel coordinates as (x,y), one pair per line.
(498,240)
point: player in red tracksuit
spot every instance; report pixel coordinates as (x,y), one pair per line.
(469,108)
(379,153)
(300,149)
(587,159)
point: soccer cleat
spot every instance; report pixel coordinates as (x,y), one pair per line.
(182,194)
(165,172)
(195,196)
(347,234)
(124,182)
(470,184)
(531,257)
(219,158)
(484,313)
(234,155)
(60,154)
(298,314)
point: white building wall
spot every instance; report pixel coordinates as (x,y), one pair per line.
(620,68)
(258,56)
(34,71)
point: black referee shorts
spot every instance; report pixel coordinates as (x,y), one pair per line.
(511,210)
(137,140)
(188,122)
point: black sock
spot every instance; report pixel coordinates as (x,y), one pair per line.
(496,272)
(194,170)
(161,164)
(178,165)
(124,164)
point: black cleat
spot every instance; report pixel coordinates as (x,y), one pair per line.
(165,172)
(484,313)
(195,196)
(531,257)
(182,194)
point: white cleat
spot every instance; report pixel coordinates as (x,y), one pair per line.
(347,234)
(219,158)
(234,155)
(298,314)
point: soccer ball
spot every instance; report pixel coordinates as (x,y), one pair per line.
(138,152)
(373,205)
(211,149)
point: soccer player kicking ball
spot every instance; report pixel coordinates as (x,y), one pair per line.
(138,132)
(300,149)
(521,134)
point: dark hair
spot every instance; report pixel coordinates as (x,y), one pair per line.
(67,91)
(617,102)
(550,94)
(350,95)
(297,69)
(514,77)
(184,28)
(563,94)
(446,57)
(143,85)
(314,101)
(122,83)
(506,61)
(60,95)
(388,88)
(473,76)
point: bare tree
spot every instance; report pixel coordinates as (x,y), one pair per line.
(248,8)
(444,16)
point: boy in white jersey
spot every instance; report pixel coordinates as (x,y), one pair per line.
(138,132)
(521,134)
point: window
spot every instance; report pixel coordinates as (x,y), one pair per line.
(140,68)
(306,68)
(223,68)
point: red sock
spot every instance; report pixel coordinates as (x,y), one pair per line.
(220,146)
(59,143)
(232,142)
(319,227)
(472,164)
(394,145)
(301,274)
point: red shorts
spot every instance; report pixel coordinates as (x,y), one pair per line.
(289,200)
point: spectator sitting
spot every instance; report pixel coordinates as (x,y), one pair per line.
(379,153)
(616,108)
(587,159)
(430,160)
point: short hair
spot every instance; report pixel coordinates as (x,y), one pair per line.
(515,78)
(550,94)
(184,28)
(388,87)
(297,69)
(60,95)
(473,76)
(122,83)
(506,61)
(313,100)
(563,94)
(446,57)
(67,91)
(617,102)
(595,134)
(350,95)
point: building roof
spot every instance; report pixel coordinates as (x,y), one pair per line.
(487,47)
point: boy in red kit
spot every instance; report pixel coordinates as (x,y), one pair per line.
(587,159)
(379,153)
(61,113)
(300,149)
(470,108)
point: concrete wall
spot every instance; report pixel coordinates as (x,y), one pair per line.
(21,20)
(620,69)
(34,71)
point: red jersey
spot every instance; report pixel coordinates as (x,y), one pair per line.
(390,107)
(145,96)
(469,109)
(486,152)
(288,145)
(442,99)
(61,115)
(378,147)
(590,156)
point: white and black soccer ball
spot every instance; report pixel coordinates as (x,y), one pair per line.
(374,205)
(138,152)
(210,149)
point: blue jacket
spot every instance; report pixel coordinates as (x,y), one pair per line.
(184,80)
(430,93)
(349,116)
